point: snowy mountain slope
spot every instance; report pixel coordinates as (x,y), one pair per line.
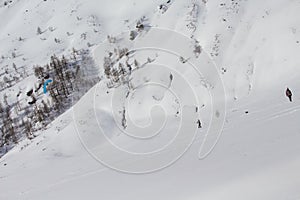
(257,157)
(254,46)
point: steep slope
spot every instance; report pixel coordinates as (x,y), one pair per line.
(257,157)
(249,46)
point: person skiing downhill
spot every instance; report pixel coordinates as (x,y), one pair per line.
(289,94)
(199,123)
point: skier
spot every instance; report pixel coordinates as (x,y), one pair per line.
(289,94)
(199,123)
(171,77)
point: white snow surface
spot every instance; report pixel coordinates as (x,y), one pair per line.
(254,46)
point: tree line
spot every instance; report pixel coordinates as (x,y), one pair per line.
(25,116)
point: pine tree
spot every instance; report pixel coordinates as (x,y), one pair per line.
(2,136)
(39,114)
(107,65)
(9,131)
(1,109)
(115,74)
(45,107)
(28,128)
(69,79)
(64,62)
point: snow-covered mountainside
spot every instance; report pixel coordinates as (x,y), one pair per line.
(164,99)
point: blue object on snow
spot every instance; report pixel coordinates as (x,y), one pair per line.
(45,85)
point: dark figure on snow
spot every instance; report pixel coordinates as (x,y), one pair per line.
(289,94)
(171,77)
(199,123)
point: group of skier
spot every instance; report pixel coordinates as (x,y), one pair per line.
(288,93)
